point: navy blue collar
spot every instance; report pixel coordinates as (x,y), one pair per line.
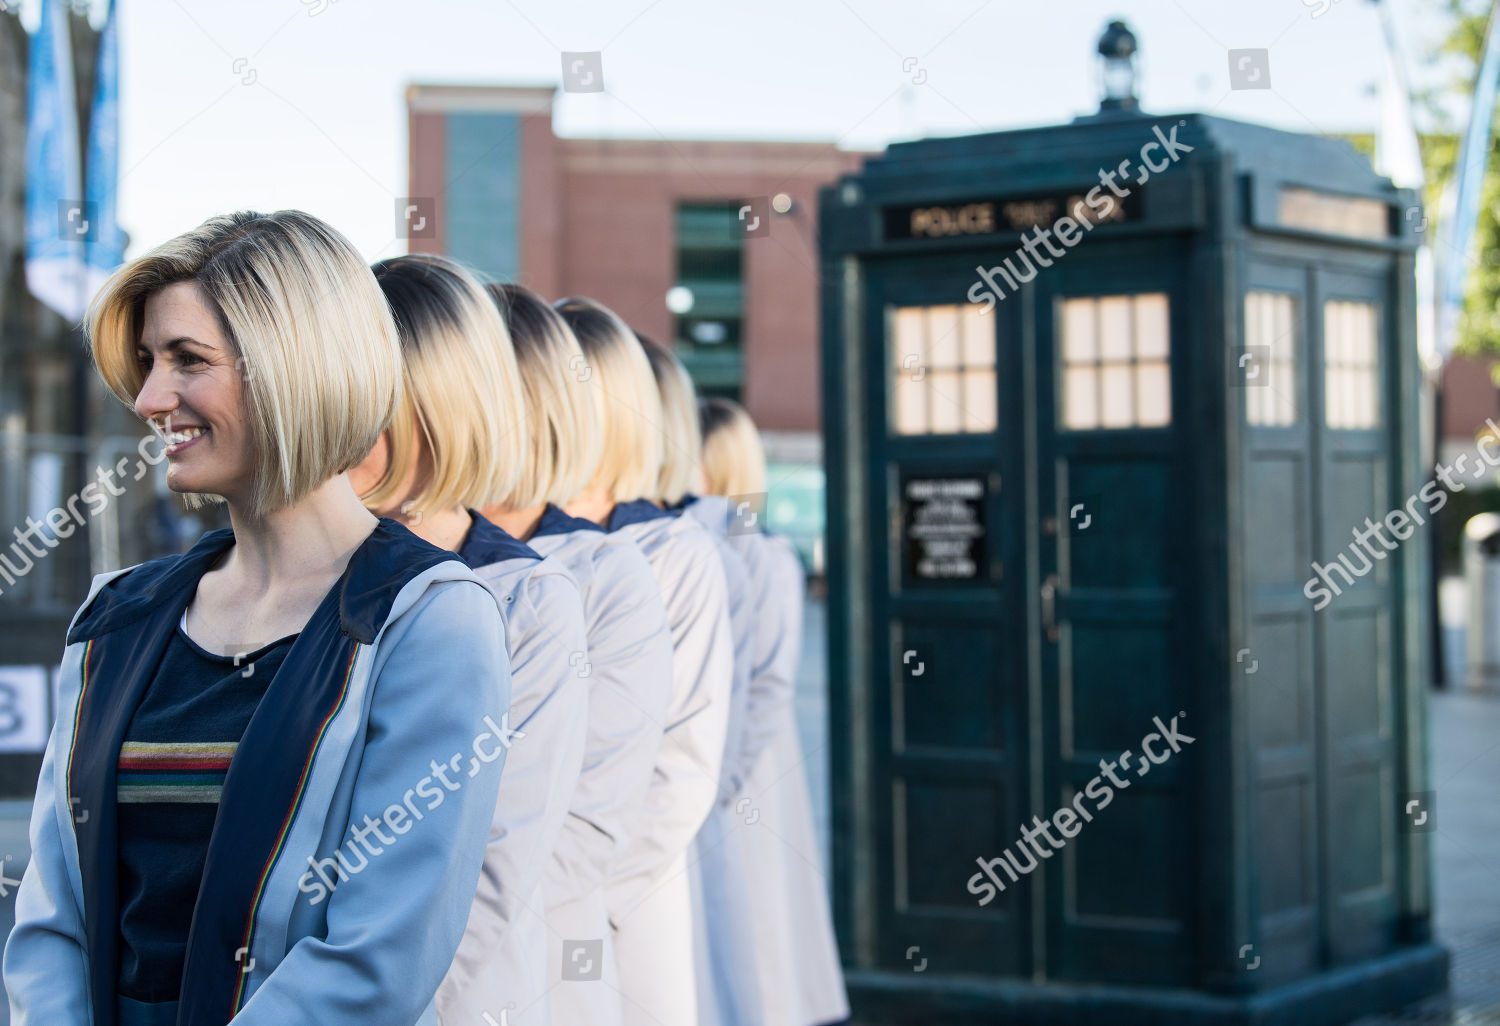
(555,521)
(637,511)
(487,544)
(366,590)
(681,505)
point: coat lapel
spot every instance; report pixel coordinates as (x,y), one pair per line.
(117,665)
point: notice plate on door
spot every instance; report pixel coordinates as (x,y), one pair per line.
(944,532)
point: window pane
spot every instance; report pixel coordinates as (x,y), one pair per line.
(908,330)
(1114,328)
(1270,326)
(1079,331)
(1351,364)
(1118,404)
(1154,394)
(1283,333)
(1081,397)
(942,337)
(1151,326)
(944,399)
(979,401)
(978,337)
(910,405)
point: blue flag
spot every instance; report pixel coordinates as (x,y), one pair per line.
(1462,195)
(105,241)
(57,224)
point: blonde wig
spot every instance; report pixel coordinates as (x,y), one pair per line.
(311,334)
(683,447)
(734,461)
(625,395)
(462,400)
(564,440)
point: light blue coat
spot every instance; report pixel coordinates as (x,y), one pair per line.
(385,711)
(650,901)
(502,962)
(630,684)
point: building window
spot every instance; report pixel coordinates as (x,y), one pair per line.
(710,295)
(1270,377)
(1115,362)
(942,370)
(1351,388)
(482,193)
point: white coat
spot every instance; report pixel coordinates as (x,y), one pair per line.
(630,684)
(797,958)
(649,896)
(724,940)
(501,965)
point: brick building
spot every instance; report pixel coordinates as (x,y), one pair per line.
(624,221)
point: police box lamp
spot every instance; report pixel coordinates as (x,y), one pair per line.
(1117,69)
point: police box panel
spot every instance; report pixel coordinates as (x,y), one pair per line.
(948,495)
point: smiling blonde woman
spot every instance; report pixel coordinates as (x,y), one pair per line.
(235,722)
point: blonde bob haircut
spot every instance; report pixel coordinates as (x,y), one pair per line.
(625,396)
(683,446)
(461,404)
(734,461)
(310,332)
(563,438)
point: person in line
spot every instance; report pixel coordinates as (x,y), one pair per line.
(648,894)
(630,653)
(239,815)
(796,953)
(724,945)
(457,441)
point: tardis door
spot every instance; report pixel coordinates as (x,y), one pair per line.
(1118,515)
(950,752)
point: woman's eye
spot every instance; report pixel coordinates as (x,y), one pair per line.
(187,359)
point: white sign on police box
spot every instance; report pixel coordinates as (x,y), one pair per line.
(24,708)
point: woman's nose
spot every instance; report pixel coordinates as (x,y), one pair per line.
(156,398)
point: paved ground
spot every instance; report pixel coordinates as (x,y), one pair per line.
(1466,767)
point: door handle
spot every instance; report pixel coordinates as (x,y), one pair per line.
(1049,607)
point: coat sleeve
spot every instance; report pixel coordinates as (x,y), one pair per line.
(46,959)
(777,579)
(549,712)
(685,781)
(630,649)
(393,928)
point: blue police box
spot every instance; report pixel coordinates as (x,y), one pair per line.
(1126,572)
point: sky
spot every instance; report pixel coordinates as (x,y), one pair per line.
(266,104)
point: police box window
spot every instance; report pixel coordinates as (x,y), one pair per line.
(1268,365)
(943,535)
(1351,385)
(1115,362)
(942,370)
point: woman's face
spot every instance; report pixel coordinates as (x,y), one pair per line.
(194,395)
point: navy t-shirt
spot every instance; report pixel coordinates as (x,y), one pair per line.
(172,765)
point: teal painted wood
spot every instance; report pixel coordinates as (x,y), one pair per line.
(1267,858)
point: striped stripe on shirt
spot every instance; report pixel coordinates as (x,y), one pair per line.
(180,772)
